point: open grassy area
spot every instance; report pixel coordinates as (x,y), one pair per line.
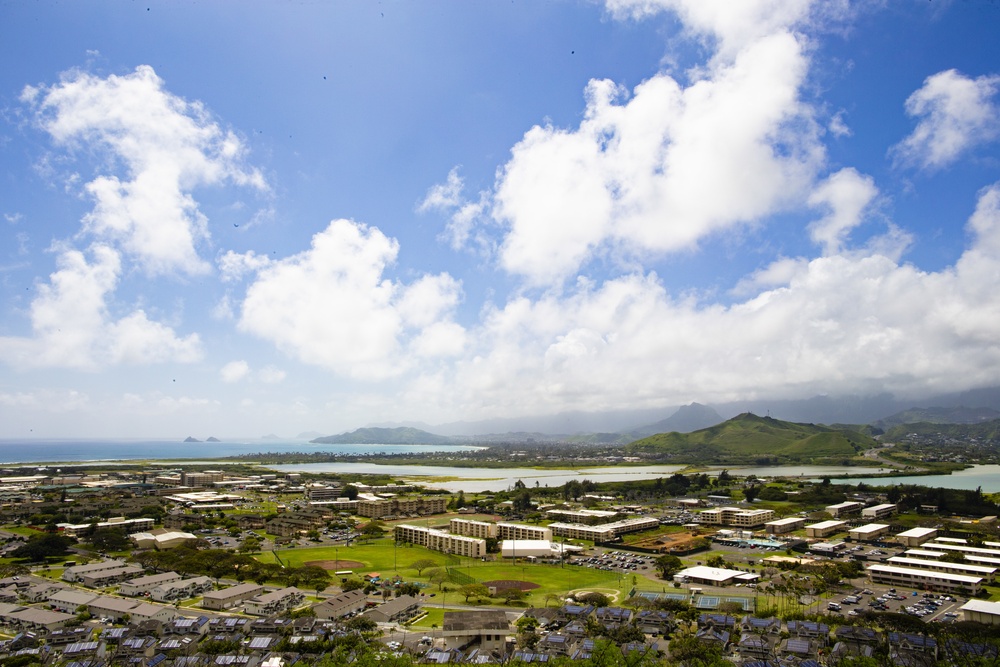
(384,557)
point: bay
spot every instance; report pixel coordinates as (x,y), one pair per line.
(70,451)
(478,480)
(986,477)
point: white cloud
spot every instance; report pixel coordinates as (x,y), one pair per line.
(463,214)
(847,194)
(165,146)
(955,113)
(331,306)
(74,329)
(234,371)
(271,375)
(657,172)
(852,322)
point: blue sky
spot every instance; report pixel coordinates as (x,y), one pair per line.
(312,216)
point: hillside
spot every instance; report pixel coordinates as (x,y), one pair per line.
(748,438)
(403,435)
(950,415)
(688,418)
(984,431)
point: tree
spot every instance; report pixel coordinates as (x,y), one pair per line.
(422,564)
(250,545)
(513,595)
(474,591)
(715,561)
(44,545)
(437,576)
(352,585)
(373,529)
(667,565)
(750,493)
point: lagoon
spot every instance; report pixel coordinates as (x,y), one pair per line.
(477,480)
(986,477)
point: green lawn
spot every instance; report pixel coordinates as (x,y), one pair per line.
(384,557)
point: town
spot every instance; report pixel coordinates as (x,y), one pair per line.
(246,566)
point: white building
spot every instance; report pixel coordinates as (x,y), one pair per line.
(981,611)
(735,516)
(844,509)
(877,512)
(925,579)
(275,602)
(825,528)
(714,576)
(986,572)
(439,540)
(526,549)
(914,537)
(869,532)
(786,525)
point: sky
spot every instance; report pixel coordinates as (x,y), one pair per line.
(235,220)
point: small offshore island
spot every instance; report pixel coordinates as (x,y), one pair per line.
(251,563)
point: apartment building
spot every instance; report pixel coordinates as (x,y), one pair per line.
(517,531)
(470,528)
(275,602)
(230,597)
(439,540)
(845,509)
(736,517)
(377,508)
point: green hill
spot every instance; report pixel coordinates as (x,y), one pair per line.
(748,438)
(403,435)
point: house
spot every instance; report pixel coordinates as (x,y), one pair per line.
(76,572)
(69,600)
(489,629)
(37,619)
(230,597)
(654,621)
(275,602)
(151,612)
(187,627)
(399,609)
(613,617)
(110,576)
(113,608)
(341,605)
(181,589)
(140,585)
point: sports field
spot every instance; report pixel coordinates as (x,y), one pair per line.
(389,560)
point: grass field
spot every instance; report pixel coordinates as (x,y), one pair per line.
(384,557)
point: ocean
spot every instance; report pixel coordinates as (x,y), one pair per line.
(68,451)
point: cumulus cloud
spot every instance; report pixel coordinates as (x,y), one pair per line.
(954,113)
(271,375)
(656,171)
(234,371)
(463,214)
(847,194)
(841,323)
(166,147)
(331,305)
(73,327)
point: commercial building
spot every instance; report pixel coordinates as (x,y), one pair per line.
(323,492)
(845,509)
(713,576)
(202,479)
(869,532)
(526,549)
(162,539)
(439,540)
(925,579)
(735,516)
(877,512)
(605,532)
(825,528)
(230,597)
(786,525)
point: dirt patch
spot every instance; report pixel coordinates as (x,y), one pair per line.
(668,542)
(504,584)
(336,565)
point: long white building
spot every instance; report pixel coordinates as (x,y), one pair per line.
(735,516)
(925,579)
(439,540)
